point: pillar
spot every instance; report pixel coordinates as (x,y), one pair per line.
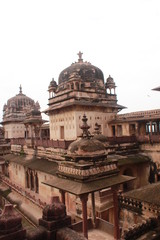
(63,200)
(157,127)
(151,127)
(116,214)
(27,132)
(84,199)
(36,183)
(29,179)
(93,209)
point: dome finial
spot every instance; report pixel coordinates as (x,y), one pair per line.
(97,129)
(80,56)
(20,89)
(85,127)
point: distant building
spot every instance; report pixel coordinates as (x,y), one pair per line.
(14,113)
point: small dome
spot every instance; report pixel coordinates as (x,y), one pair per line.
(86,147)
(101,138)
(98,135)
(84,71)
(54,211)
(53,83)
(10,221)
(109,79)
(33,112)
(110,82)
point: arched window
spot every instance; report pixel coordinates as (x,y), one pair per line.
(77,86)
(72,86)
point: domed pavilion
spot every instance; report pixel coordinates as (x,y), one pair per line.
(14,114)
(87,170)
(80,88)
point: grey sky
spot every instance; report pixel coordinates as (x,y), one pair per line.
(38,39)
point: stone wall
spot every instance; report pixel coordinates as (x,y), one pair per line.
(140,171)
(66,124)
(68,234)
(14,130)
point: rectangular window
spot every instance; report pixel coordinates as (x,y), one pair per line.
(61,132)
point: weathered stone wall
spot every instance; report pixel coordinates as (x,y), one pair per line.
(46,192)
(68,234)
(17,174)
(152,150)
(71,120)
(14,130)
(140,171)
(129,218)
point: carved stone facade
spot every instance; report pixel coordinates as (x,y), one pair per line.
(81,89)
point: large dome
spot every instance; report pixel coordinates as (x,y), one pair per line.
(81,70)
(17,107)
(19,103)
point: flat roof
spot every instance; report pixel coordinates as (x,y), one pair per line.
(149,193)
(40,164)
(79,188)
(133,159)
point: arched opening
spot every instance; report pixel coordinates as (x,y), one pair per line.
(77,85)
(82,86)
(72,86)
(153,173)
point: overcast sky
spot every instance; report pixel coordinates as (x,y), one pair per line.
(38,39)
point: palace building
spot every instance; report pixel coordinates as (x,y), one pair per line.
(89,156)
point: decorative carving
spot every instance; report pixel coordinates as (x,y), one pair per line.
(54,211)
(85,127)
(80,56)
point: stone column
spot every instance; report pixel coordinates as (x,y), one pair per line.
(63,200)
(115,131)
(157,127)
(26,179)
(151,127)
(93,210)
(84,199)
(29,179)
(116,214)
(3,169)
(27,132)
(136,128)
(36,184)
